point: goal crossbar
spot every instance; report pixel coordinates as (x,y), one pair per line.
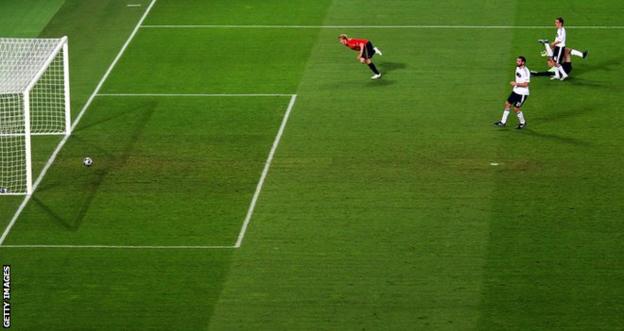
(24,60)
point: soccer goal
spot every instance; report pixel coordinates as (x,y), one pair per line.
(34,100)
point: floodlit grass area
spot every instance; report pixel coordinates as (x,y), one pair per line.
(198,158)
(26,18)
(389,204)
(213,61)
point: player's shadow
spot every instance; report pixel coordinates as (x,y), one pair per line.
(606,65)
(78,193)
(576,81)
(379,82)
(562,115)
(388,67)
(556,138)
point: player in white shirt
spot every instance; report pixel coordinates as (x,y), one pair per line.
(558,49)
(519,94)
(566,63)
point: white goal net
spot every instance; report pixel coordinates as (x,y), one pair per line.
(34,100)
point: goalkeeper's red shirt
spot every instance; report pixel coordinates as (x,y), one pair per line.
(354,44)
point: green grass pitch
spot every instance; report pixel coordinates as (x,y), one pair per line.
(390,204)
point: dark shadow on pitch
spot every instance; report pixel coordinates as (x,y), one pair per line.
(51,213)
(575,81)
(85,126)
(563,115)
(606,65)
(554,137)
(73,223)
(379,82)
(387,67)
(89,148)
(365,82)
(80,194)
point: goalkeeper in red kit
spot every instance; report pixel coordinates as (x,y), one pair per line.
(365,50)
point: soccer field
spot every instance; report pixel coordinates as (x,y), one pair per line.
(248,173)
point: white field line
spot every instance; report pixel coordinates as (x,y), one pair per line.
(265,171)
(76,121)
(193,95)
(475,27)
(117,247)
(32,134)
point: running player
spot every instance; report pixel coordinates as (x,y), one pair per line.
(518,95)
(365,50)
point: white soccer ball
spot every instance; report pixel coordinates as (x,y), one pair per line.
(3,190)
(87,162)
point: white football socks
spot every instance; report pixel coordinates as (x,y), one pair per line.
(562,72)
(521,117)
(505,115)
(556,76)
(548,49)
(576,53)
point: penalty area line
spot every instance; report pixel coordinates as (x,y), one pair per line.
(265,171)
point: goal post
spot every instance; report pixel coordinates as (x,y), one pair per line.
(34,100)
